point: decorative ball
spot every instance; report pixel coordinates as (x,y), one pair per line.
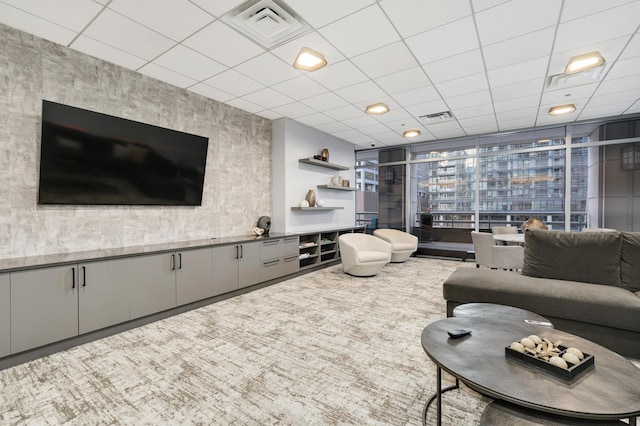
(304,203)
(319,203)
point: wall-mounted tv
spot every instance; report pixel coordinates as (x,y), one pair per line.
(89,158)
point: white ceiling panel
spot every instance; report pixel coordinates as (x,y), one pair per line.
(473,111)
(515,104)
(211,92)
(300,87)
(325,101)
(563,96)
(449,40)
(222,44)
(518,49)
(480,5)
(339,75)
(269,114)
(516,90)
(428,108)
(624,68)
(460,86)
(267,98)
(267,69)
(313,40)
(190,63)
(235,83)
(361,92)
(321,13)
(334,126)
(524,71)
(35,25)
(573,9)
(107,53)
(363,122)
(131,37)
(481,128)
(344,113)
(604,111)
(619,85)
(454,67)
(633,48)
(417,96)
(385,60)
(166,75)
(314,120)
(417,16)
(176,19)
(245,105)
(470,99)
(515,18)
(373,31)
(294,110)
(404,80)
(516,124)
(216,8)
(71,14)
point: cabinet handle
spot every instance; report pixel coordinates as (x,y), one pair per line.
(241,251)
(271,243)
(271,262)
(73,277)
(237,252)
(290,240)
(291,259)
(179,260)
(173,262)
(84,276)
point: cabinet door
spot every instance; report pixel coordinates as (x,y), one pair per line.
(44,306)
(5,315)
(194,275)
(225,269)
(152,284)
(104,294)
(250,265)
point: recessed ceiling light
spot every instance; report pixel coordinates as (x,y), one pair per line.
(309,60)
(377,109)
(584,62)
(411,133)
(562,109)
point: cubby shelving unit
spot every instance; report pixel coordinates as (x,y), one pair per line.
(322,247)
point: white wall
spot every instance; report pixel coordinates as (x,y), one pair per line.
(292,180)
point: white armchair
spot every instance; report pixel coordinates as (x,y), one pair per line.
(363,255)
(403,244)
(497,257)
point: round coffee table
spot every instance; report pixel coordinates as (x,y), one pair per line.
(499,313)
(609,391)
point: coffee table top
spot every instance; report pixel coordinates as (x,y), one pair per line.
(610,390)
(498,313)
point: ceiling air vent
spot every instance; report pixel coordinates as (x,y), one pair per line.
(438,117)
(266,21)
(593,75)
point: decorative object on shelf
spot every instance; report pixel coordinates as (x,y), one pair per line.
(311,198)
(336,180)
(320,203)
(304,203)
(257,231)
(264,223)
(325,154)
(345,183)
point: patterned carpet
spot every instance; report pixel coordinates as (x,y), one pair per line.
(324,348)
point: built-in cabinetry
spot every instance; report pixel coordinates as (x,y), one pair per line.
(317,248)
(5,315)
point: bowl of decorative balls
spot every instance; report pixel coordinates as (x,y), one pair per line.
(562,361)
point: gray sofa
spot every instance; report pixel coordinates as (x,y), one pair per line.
(586,283)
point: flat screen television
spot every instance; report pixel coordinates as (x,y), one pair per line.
(89,158)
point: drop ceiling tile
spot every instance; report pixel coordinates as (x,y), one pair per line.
(190,63)
(325,101)
(131,37)
(524,71)
(166,75)
(360,92)
(294,110)
(313,40)
(404,80)
(332,127)
(362,122)
(481,129)
(399,126)
(245,105)
(519,103)
(339,75)
(107,53)
(632,49)
(300,87)
(573,9)
(517,114)
(360,32)
(516,90)
(24,21)
(217,7)
(449,40)
(469,84)
(222,44)
(624,68)
(71,14)
(269,114)
(427,108)
(345,112)
(454,67)
(267,98)
(470,99)
(267,69)
(619,85)
(211,92)
(473,111)
(477,121)
(590,29)
(315,119)
(176,19)
(516,18)
(385,60)
(347,134)
(628,96)
(529,46)
(634,108)
(234,83)
(417,96)
(517,124)
(393,115)
(566,95)
(319,14)
(411,17)
(604,111)
(480,5)
(441,131)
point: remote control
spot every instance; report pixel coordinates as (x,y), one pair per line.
(456,334)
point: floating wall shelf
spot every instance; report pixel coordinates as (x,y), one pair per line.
(338,188)
(316,209)
(320,163)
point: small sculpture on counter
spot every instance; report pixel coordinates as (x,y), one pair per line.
(264,223)
(257,232)
(311,198)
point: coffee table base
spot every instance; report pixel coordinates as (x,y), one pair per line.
(438,396)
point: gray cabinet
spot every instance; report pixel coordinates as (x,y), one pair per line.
(194,275)
(249,265)
(5,315)
(103,298)
(225,269)
(152,284)
(44,306)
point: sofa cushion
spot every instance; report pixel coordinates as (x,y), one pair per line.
(590,257)
(589,303)
(630,261)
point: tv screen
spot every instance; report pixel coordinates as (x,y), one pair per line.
(89,158)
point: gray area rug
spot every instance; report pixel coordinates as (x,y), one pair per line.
(324,348)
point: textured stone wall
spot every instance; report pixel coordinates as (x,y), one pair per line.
(237,179)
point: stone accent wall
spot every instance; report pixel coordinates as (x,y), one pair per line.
(237,179)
